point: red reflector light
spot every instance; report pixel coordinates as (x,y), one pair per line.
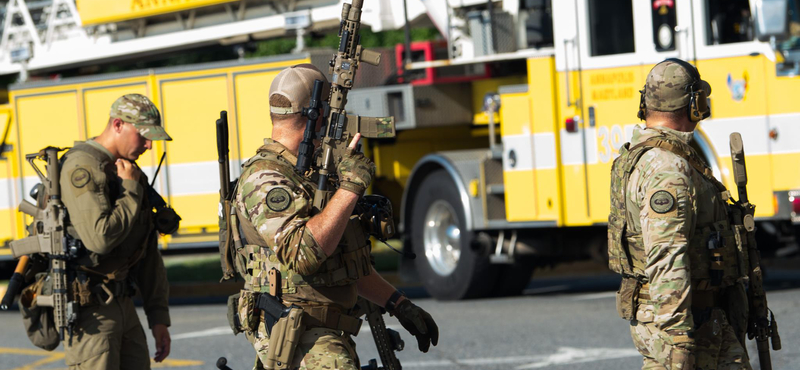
(571,126)
(795,204)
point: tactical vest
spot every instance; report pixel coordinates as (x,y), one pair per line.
(348,263)
(716,253)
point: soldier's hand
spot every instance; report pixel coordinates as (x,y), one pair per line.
(418,322)
(355,171)
(127,170)
(163,342)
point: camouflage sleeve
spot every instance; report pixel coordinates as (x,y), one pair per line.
(279,210)
(101,222)
(667,218)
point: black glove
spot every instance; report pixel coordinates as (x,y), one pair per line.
(418,322)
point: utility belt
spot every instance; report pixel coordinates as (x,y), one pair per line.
(633,293)
(91,293)
(314,315)
(284,322)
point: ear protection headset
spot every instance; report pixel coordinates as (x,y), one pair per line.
(698,98)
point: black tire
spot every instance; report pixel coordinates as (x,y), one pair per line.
(514,278)
(473,275)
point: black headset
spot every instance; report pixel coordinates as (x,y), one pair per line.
(698,98)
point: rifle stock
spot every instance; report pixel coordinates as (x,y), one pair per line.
(759,325)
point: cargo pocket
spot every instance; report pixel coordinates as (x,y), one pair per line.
(90,352)
(627,295)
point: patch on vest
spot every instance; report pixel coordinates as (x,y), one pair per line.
(662,202)
(80,178)
(278,199)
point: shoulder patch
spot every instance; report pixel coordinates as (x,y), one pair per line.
(662,202)
(278,199)
(80,177)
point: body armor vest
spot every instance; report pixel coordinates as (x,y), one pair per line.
(337,274)
(716,253)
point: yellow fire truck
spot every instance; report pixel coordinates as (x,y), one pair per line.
(506,128)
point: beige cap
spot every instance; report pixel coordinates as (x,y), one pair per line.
(296,83)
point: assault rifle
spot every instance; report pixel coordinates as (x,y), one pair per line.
(50,237)
(761,323)
(387,341)
(340,127)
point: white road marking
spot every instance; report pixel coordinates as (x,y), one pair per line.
(222,330)
(564,356)
(590,296)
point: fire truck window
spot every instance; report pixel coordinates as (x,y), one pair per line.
(611,27)
(728,21)
(664,22)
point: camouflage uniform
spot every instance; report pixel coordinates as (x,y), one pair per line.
(670,237)
(274,203)
(114,220)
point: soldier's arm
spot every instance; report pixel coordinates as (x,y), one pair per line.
(151,278)
(667,219)
(279,211)
(102,223)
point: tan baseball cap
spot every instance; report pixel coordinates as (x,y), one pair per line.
(296,84)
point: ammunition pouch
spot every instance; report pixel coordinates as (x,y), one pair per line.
(242,312)
(628,298)
(284,337)
(39,321)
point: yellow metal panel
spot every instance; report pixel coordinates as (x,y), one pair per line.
(787,179)
(46,120)
(252,107)
(516,116)
(541,89)
(189,110)
(750,68)
(521,200)
(613,95)
(107,11)
(759,182)
(479,90)
(197,211)
(7,221)
(97,104)
(547,192)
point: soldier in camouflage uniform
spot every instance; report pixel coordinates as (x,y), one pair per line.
(323,256)
(104,193)
(671,238)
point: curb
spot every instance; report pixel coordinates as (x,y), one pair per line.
(214,292)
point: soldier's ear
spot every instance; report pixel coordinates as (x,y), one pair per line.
(116,124)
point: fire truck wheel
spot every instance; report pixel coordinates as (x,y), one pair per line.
(450,263)
(514,278)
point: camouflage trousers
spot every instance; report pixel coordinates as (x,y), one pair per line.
(716,346)
(319,348)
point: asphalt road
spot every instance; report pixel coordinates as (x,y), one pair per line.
(560,323)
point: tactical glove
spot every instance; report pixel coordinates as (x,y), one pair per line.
(418,322)
(355,172)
